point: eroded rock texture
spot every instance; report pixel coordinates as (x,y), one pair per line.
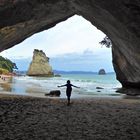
(118,19)
(40,65)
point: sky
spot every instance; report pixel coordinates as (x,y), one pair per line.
(72,45)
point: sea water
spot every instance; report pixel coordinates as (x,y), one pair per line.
(91,85)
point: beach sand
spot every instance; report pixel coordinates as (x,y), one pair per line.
(5,78)
(31,118)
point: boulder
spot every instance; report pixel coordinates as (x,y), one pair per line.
(40,65)
(57,75)
(99,88)
(55,93)
(98,91)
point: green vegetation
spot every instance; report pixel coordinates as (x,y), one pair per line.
(106,42)
(6,65)
(3,71)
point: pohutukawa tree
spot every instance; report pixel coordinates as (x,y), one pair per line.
(106,42)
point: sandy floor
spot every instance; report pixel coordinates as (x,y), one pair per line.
(28,118)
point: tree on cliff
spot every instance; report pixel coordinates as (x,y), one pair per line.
(106,41)
(7,64)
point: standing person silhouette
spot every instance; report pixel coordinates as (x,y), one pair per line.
(68,90)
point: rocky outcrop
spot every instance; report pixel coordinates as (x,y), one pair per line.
(101,72)
(118,19)
(40,65)
(130,92)
(57,75)
(99,88)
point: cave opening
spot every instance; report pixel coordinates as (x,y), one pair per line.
(74,50)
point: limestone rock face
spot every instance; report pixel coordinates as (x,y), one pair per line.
(101,72)
(40,65)
(118,19)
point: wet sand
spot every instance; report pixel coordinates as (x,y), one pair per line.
(31,118)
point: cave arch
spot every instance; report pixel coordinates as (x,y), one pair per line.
(118,19)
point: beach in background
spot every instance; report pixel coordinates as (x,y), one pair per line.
(91,85)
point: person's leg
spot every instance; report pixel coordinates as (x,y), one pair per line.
(68,97)
(68,93)
(68,100)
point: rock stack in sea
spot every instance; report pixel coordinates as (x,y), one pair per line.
(101,72)
(40,65)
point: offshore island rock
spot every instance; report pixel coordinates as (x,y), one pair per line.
(40,65)
(101,72)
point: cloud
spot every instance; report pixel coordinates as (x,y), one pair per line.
(73,35)
(22,63)
(87,61)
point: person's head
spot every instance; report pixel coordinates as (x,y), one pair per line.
(68,82)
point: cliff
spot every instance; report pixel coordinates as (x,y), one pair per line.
(6,65)
(39,65)
(118,19)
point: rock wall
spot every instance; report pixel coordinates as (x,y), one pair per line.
(40,65)
(118,19)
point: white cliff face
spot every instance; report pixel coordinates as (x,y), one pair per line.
(40,65)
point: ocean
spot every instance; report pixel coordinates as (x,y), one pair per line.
(91,85)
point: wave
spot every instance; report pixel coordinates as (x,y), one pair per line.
(88,83)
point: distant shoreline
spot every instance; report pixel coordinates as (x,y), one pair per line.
(68,72)
(79,72)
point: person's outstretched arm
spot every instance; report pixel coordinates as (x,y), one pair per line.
(61,86)
(75,86)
